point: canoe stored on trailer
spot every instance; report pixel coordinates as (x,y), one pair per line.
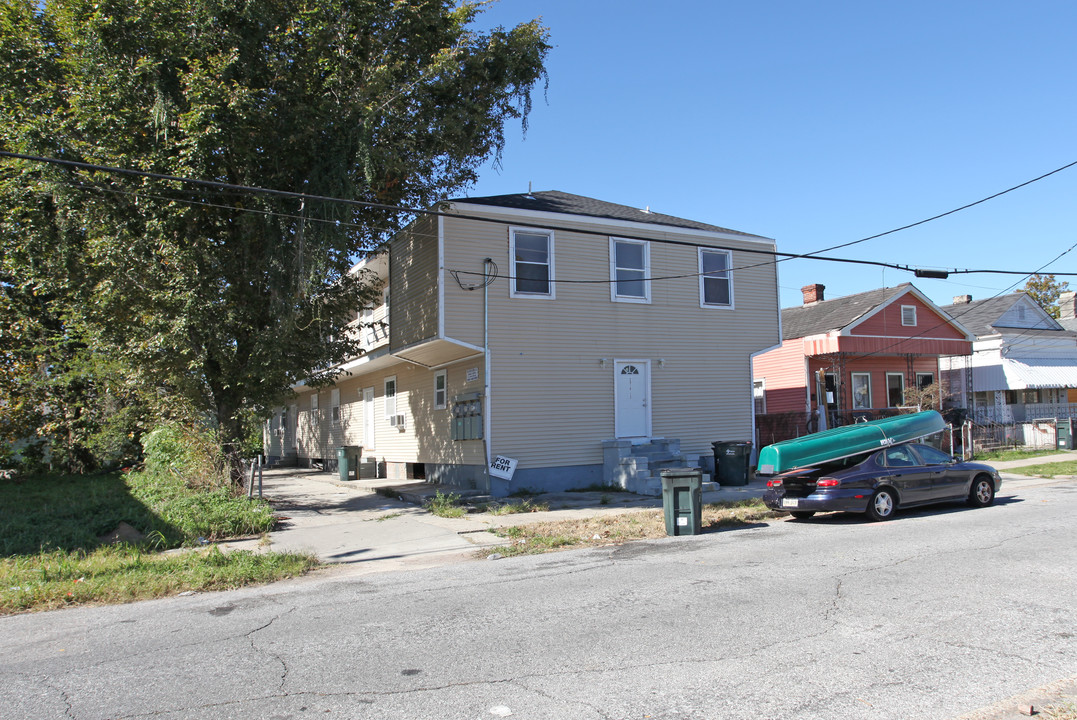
(843,442)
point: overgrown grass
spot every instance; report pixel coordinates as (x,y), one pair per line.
(124,573)
(1047,470)
(52,552)
(615,528)
(1012,454)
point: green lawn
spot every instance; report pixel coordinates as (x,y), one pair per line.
(52,554)
(1047,470)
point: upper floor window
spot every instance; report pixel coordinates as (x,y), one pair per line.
(630,262)
(532,263)
(715,279)
(908,315)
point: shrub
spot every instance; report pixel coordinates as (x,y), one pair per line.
(190,452)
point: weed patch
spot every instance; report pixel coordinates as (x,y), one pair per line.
(512,508)
(53,530)
(446,505)
(616,528)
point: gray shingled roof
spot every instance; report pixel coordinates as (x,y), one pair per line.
(556,201)
(822,317)
(980,315)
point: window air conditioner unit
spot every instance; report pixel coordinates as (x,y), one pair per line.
(397,421)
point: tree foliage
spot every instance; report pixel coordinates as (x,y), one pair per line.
(1045,289)
(222,297)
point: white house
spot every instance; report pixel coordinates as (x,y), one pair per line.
(1024,362)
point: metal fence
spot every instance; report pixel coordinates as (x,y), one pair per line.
(1036,434)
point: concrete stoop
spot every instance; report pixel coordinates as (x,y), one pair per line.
(637,467)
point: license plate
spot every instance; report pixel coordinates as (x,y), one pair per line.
(790,502)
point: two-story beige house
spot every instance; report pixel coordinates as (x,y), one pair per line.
(587,342)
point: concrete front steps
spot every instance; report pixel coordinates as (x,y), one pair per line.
(637,467)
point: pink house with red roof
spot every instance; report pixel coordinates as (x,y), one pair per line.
(859,353)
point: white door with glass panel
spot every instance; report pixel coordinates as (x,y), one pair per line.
(632,398)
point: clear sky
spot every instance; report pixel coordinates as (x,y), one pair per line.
(817,123)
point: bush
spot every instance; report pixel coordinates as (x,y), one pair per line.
(191,453)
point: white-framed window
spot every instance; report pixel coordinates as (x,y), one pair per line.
(861,390)
(334,405)
(895,389)
(630,268)
(440,390)
(390,397)
(715,280)
(314,405)
(908,315)
(531,252)
(924,379)
(759,396)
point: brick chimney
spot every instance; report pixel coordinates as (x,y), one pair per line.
(813,293)
(1067,305)
(962,299)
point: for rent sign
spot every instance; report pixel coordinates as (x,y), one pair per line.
(502,467)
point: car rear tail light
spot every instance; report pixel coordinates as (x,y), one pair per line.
(828,482)
(774,483)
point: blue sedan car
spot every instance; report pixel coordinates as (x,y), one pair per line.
(879,483)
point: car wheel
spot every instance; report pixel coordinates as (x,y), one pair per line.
(882,504)
(982,492)
(803,514)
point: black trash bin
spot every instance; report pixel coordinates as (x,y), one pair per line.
(731,460)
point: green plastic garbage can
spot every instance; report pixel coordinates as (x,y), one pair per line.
(342,463)
(731,460)
(348,462)
(682,500)
(1065,434)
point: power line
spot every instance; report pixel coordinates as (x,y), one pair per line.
(814,255)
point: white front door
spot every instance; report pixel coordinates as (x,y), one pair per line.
(632,399)
(368,419)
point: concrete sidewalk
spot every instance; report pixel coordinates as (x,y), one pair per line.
(353,525)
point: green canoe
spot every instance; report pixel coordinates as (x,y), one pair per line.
(843,442)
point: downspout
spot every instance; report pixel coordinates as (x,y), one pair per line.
(486,424)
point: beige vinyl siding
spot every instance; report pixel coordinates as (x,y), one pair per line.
(413,284)
(426,436)
(553,403)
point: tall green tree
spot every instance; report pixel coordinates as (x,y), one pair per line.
(223,297)
(1045,289)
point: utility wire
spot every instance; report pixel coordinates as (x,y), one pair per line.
(814,255)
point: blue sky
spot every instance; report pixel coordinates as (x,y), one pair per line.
(817,123)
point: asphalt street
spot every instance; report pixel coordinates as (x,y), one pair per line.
(935,614)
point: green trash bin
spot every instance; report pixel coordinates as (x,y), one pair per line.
(731,461)
(682,500)
(348,462)
(1065,434)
